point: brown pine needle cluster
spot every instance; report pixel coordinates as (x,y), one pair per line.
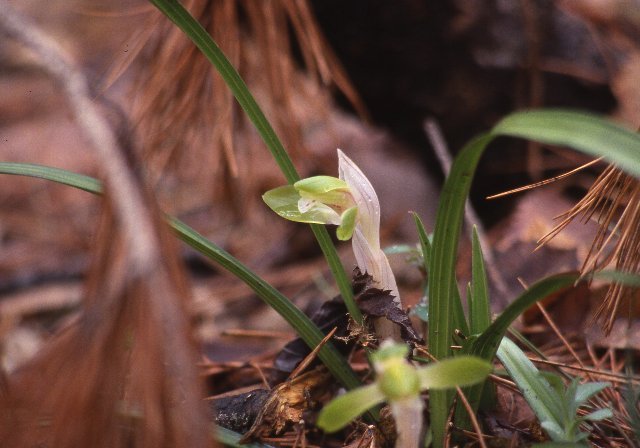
(614,202)
(124,373)
(187,116)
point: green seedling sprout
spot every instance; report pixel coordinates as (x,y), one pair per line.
(399,383)
(351,203)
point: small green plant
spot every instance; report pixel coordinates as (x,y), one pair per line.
(555,404)
(399,383)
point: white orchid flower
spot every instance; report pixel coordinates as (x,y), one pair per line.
(351,203)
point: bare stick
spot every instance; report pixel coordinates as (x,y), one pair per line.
(432,130)
(128,202)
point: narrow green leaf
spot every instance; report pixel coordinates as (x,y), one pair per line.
(58,175)
(449,373)
(425,244)
(487,343)
(443,291)
(305,328)
(342,410)
(598,415)
(479,308)
(553,429)
(584,132)
(535,389)
(199,36)
(588,390)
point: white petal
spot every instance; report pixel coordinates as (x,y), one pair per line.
(364,196)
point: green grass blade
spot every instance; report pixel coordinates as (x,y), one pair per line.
(306,329)
(442,279)
(425,244)
(479,308)
(58,175)
(487,343)
(584,132)
(535,388)
(479,320)
(199,36)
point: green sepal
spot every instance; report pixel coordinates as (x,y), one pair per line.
(449,373)
(342,410)
(326,189)
(284,201)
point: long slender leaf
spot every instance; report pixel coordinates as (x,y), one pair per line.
(58,175)
(584,132)
(487,343)
(442,272)
(306,329)
(425,244)
(479,309)
(199,36)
